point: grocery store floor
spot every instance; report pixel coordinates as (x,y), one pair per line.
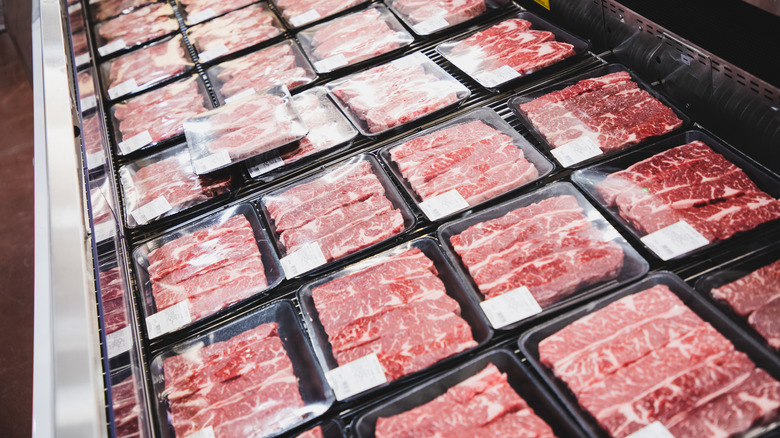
(16,243)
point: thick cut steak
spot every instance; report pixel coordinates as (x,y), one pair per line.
(140,25)
(453,11)
(151,64)
(357,37)
(236,30)
(263,69)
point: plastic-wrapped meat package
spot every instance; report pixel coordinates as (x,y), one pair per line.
(315,432)
(235,31)
(79,41)
(157,115)
(647,357)
(86,84)
(301,12)
(93,141)
(76,19)
(101,209)
(145,67)
(482,405)
(137,27)
(444,12)
(168,175)
(756,296)
(396,93)
(201,10)
(113,295)
(126,407)
(105,9)
(353,38)
(282,63)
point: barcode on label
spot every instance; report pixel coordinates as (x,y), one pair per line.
(104,231)
(576,151)
(511,307)
(156,208)
(168,320)
(123,88)
(266,166)
(240,95)
(309,257)
(88,103)
(201,16)
(306,17)
(357,376)
(652,430)
(430,25)
(330,64)
(119,342)
(212,162)
(82,59)
(497,77)
(112,47)
(96,160)
(216,52)
(135,142)
(203,433)
(674,240)
(443,205)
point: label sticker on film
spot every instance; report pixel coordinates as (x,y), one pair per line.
(119,342)
(497,77)
(203,433)
(331,63)
(147,212)
(674,240)
(82,59)
(74,8)
(430,25)
(309,257)
(274,162)
(135,142)
(443,205)
(240,95)
(216,52)
(201,16)
(212,162)
(652,430)
(576,151)
(306,17)
(96,160)
(357,376)
(123,88)
(112,47)
(168,320)
(88,103)
(104,231)
(511,307)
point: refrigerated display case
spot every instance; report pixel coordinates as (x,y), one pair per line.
(101,329)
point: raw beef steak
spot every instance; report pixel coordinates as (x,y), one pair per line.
(113,296)
(151,64)
(140,25)
(453,11)
(291,9)
(260,70)
(124,399)
(219,7)
(236,30)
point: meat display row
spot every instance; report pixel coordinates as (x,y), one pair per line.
(234,31)
(139,26)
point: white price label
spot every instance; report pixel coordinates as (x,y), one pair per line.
(240,95)
(104,231)
(266,166)
(357,376)
(119,342)
(576,151)
(212,162)
(92,2)
(652,430)
(88,103)
(674,240)
(203,433)
(201,16)
(135,142)
(497,77)
(412,60)
(443,205)
(120,90)
(430,25)
(306,17)
(74,8)
(168,320)
(112,47)
(331,63)
(511,307)
(156,208)
(310,256)
(216,52)
(96,160)
(82,59)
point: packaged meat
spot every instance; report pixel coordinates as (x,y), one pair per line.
(396,93)
(339,211)
(143,68)
(249,127)
(328,429)
(103,209)
(542,252)
(656,352)
(477,155)
(235,31)
(426,17)
(491,395)
(683,194)
(115,302)
(94,143)
(516,47)
(105,9)
(353,38)
(80,48)
(134,28)
(328,128)
(204,267)
(282,63)
(407,299)
(86,90)
(196,11)
(167,175)
(299,13)
(254,376)
(594,114)
(154,117)
(128,408)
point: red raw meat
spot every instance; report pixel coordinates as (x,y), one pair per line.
(315,432)
(150,64)
(140,25)
(263,69)
(90,130)
(357,37)
(454,11)
(236,30)
(292,8)
(111,8)
(113,296)
(327,127)
(126,408)
(218,6)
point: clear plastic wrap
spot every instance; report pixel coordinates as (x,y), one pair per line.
(328,128)
(431,404)
(237,396)
(115,310)
(204,267)
(80,48)
(361,311)
(249,127)
(282,63)
(477,154)
(94,141)
(396,93)
(327,429)
(596,114)
(167,175)
(103,214)
(235,31)
(348,207)
(693,367)
(298,13)
(102,10)
(154,117)
(426,17)
(684,194)
(128,403)
(353,38)
(196,11)
(541,252)
(516,47)
(86,90)
(135,28)
(136,71)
